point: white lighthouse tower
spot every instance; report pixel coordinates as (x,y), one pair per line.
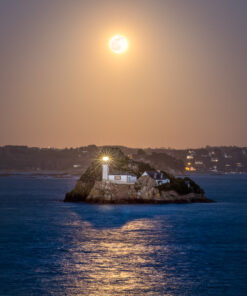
(105,168)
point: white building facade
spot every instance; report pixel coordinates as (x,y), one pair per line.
(122,178)
(117,177)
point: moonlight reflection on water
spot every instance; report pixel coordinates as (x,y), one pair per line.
(115,261)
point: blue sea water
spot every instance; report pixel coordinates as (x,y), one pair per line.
(48,247)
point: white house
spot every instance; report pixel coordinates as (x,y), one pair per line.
(114,176)
(158,176)
(121,177)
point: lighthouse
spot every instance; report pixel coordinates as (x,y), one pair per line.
(105,168)
(115,175)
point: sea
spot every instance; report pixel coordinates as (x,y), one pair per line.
(48,247)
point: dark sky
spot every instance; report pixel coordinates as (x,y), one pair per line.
(181,83)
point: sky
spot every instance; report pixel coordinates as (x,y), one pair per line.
(182,82)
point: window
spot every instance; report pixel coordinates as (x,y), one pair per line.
(117,177)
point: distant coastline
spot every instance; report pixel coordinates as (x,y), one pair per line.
(57,174)
(54,174)
(74,161)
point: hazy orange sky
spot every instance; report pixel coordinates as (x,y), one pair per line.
(182,82)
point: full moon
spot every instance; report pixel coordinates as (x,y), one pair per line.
(118,44)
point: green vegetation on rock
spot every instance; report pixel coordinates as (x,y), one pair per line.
(181,186)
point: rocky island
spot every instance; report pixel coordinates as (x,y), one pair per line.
(115,178)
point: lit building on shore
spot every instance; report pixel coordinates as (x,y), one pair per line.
(114,176)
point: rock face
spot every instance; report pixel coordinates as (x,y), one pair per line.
(104,192)
(143,191)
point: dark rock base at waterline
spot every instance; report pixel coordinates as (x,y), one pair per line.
(167,198)
(144,191)
(141,201)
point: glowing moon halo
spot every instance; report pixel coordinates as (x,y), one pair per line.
(118,44)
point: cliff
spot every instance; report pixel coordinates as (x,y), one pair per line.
(90,187)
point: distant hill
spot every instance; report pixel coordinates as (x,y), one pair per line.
(76,160)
